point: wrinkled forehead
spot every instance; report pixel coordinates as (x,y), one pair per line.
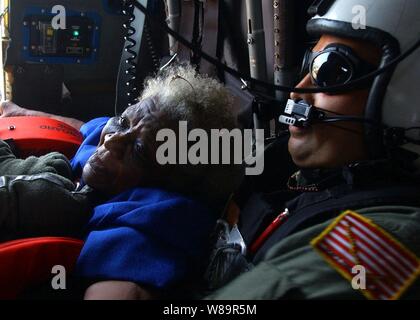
(144,111)
(141,109)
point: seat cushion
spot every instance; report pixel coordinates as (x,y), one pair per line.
(29,262)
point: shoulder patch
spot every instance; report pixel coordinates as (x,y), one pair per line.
(353,243)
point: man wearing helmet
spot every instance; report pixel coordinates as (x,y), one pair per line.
(353,229)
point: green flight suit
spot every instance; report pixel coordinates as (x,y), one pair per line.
(292,269)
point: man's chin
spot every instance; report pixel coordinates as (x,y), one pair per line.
(300,153)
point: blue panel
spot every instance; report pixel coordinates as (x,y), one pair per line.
(46,12)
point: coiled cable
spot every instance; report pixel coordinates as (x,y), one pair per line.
(150,45)
(131,70)
(126,88)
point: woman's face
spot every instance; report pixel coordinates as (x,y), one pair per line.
(332,145)
(125,156)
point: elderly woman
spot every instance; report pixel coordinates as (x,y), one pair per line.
(151,233)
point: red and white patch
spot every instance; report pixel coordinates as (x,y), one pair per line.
(353,240)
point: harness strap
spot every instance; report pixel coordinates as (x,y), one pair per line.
(197,37)
(313,208)
(220,41)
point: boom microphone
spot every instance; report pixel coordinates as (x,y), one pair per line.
(302,114)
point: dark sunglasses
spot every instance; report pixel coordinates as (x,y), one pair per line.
(335,65)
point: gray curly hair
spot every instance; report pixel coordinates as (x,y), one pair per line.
(182,94)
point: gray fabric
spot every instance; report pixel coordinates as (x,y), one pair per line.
(38,199)
(52,162)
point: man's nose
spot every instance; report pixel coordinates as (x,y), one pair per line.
(304,83)
(117,143)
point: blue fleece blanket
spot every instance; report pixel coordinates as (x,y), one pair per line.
(148,236)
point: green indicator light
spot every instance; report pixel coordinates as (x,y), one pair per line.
(76,33)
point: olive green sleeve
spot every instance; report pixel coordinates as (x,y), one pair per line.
(53,162)
(292,269)
(41,205)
